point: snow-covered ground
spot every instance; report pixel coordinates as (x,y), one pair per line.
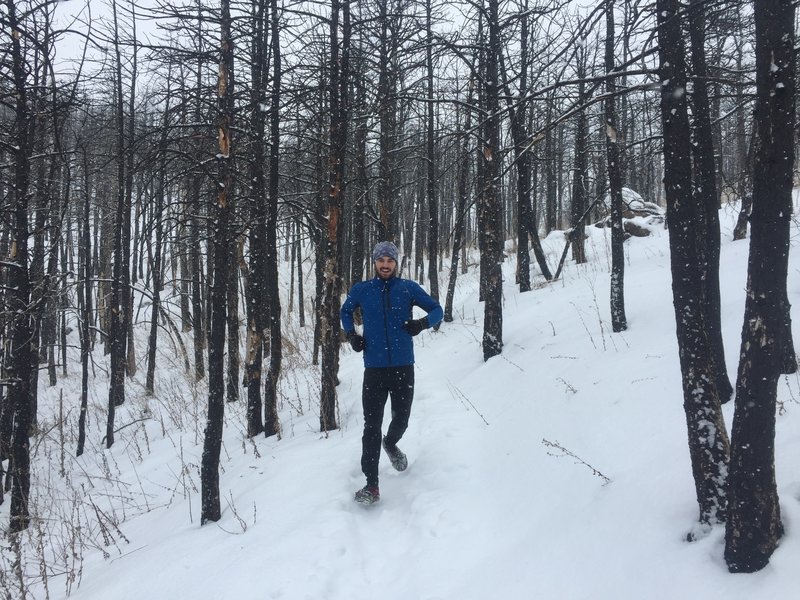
(558,470)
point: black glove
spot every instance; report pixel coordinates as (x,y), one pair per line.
(414,326)
(357,342)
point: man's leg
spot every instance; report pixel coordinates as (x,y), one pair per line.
(373,399)
(402,389)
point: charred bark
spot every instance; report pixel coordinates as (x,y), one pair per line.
(491,209)
(754,524)
(707,436)
(157,258)
(271,422)
(256,278)
(431,178)
(330,326)
(212,443)
(118,327)
(462,179)
(619,321)
(580,174)
(21,328)
(707,198)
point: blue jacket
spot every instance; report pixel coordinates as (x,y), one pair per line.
(385,306)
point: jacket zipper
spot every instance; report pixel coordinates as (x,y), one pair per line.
(387,306)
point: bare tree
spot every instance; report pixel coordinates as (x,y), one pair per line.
(462,190)
(491,206)
(518,121)
(388,47)
(430,154)
(158,209)
(580,175)
(754,521)
(330,324)
(212,445)
(708,439)
(619,321)
(120,293)
(707,199)
(21,352)
(271,423)
(85,299)
(257,319)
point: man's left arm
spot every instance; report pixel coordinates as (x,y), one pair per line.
(427,303)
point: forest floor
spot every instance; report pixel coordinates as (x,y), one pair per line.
(557,470)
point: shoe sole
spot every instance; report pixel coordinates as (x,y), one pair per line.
(399,464)
(367,501)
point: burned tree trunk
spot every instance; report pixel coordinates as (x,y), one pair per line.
(387,114)
(212,444)
(271,423)
(330,325)
(708,440)
(707,200)
(518,117)
(462,184)
(85,300)
(21,327)
(619,321)
(580,178)
(430,151)
(361,182)
(232,317)
(256,279)
(754,520)
(158,209)
(491,210)
(118,327)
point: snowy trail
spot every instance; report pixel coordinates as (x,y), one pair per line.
(485,509)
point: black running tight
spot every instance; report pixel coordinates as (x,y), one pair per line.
(379,383)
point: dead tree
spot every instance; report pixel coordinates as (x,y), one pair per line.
(705,190)
(491,207)
(212,444)
(20,329)
(330,324)
(754,521)
(118,328)
(271,423)
(430,154)
(708,439)
(462,191)
(619,321)
(257,320)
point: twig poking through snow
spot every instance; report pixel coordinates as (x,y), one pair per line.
(460,395)
(578,459)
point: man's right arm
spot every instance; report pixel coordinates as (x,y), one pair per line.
(346,313)
(348,326)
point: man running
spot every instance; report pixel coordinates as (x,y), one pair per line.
(386,302)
